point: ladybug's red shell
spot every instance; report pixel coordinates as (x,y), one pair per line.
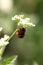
(20,33)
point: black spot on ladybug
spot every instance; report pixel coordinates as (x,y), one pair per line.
(20,32)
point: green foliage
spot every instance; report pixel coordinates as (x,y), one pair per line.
(9,61)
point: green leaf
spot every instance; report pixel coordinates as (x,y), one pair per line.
(10,61)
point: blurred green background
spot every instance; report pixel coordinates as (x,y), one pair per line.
(30,48)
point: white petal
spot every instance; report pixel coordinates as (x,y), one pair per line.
(6,43)
(25,22)
(6,37)
(27,19)
(3,43)
(17,17)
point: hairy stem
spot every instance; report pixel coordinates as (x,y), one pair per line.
(12,34)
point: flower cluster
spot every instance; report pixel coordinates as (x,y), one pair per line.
(24,22)
(3,41)
(17,17)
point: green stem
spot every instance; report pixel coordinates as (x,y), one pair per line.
(12,34)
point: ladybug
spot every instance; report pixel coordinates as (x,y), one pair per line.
(20,32)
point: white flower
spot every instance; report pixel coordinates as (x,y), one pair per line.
(3,41)
(17,17)
(22,21)
(6,37)
(25,22)
(1,29)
